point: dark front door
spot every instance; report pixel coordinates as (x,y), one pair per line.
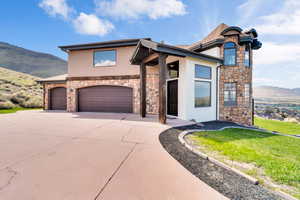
(105,99)
(172,98)
(58,98)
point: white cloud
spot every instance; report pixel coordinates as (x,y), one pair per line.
(273,53)
(105,63)
(248,9)
(133,9)
(285,21)
(56,8)
(90,24)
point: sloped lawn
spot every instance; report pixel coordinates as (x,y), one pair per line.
(268,157)
(278,126)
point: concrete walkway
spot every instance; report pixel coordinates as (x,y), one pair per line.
(87,156)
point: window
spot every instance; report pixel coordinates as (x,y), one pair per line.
(247,57)
(247,93)
(104,58)
(173,69)
(230,94)
(202,72)
(202,94)
(229,53)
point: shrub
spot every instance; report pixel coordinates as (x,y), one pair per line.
(7,105)
(33,102)
(19,98)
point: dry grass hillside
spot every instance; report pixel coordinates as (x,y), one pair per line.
(19,90)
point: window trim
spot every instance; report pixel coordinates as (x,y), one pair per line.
(198,65)
(116,56)
(210,102)
(232,103)
(247,49)
(235,55)
(247,99)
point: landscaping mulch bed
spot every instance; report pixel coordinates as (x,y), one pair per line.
(224,181)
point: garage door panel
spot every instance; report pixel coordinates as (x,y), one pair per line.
(105,99)
(58,98)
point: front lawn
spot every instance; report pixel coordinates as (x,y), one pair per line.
(268,157)
(13,110)
(278,126)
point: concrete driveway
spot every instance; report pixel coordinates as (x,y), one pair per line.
(86,156)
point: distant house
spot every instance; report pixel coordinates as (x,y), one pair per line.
(208,80)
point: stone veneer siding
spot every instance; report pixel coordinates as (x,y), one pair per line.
(152,93)
(73,85)
(47,88)
(241,75)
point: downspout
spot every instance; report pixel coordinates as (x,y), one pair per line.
(217,93)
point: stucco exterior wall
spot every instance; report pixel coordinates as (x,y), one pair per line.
(213,52)
(186,92)
(80,63)
(241,75)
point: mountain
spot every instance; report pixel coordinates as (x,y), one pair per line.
(273,92)
(19,89)
(30,62)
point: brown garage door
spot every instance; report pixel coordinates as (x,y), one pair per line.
(58,98)
(105,99)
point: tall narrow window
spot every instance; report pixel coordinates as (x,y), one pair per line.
(230,54)
(202,94)
(230,94)
(247,93)
(203,76)
(247,57)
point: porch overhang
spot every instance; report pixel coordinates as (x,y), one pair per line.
(154,53)
(146,48)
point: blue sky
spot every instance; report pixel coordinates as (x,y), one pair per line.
(42,25)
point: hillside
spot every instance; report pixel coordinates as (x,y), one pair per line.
(30,62)
(269,94)
(273,92)
(19,90)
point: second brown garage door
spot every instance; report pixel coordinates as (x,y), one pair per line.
(105,99)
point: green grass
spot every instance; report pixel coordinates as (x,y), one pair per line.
(278,126)
(13,110)
(277,157)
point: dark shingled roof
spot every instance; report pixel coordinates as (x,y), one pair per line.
(106,44)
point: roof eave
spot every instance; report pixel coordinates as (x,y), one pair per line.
(215,43)
(113,44)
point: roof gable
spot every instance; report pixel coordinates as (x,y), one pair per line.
(215,34)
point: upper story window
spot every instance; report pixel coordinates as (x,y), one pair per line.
(229,53)
(202,72)
(247,57)
(104,58)
(230,94)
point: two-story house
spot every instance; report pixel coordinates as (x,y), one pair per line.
(208,80)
